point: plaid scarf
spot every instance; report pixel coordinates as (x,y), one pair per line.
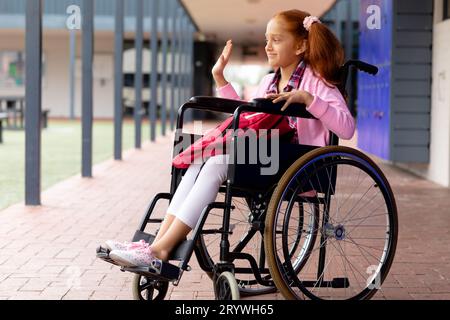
(294,82)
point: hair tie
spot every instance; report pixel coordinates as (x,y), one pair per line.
(309,21)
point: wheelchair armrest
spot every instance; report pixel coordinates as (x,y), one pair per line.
(208,104)
(266,106)
(217,104)
(294,110)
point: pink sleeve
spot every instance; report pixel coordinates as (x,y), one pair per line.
(331,109)
(228,91)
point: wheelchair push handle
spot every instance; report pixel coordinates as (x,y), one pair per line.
(362,66)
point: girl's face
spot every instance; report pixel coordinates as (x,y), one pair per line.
(282,47)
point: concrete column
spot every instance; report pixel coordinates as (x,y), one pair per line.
(138,80)
(118,79)
(33,95)
(87,87)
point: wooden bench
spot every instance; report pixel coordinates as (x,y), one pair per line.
(14,108)
(3,116)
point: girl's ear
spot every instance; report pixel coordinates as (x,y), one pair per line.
(301,47)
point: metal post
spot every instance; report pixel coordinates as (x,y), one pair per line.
(349,53)
(191,61)
(164,66)
(349,31)
(184,70)
(87,88)
(154,69)
(33,96)
(173,46)
(187,37)
(184,65)
(339,15)
(118,79)
(180,57)
(72,82)
(139,43)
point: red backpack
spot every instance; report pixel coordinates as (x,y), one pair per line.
(220,136)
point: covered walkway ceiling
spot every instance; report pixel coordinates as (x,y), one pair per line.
(244,21)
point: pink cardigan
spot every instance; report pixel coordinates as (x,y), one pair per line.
(328,106)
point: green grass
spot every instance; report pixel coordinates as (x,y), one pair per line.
(60,154)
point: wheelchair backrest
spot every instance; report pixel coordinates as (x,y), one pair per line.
(343,76)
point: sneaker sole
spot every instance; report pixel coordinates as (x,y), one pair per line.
(123,262)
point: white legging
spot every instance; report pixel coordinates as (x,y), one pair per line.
(192,195)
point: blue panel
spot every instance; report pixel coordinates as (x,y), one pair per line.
(374,92)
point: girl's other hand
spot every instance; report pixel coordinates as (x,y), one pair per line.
(219,67)
(299,96)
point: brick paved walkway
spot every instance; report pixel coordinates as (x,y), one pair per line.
(48,252)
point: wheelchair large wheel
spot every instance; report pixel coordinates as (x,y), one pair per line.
(243,239)
(346,251)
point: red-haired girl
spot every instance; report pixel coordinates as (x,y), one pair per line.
(306,56)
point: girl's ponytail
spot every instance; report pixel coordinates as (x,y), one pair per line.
(324,53)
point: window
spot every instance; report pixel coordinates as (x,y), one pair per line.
(12,71)
(446,9)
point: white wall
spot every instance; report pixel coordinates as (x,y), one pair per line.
(439,168)
(55,87)
(11,41)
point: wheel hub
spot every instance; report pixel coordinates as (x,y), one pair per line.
(337,232)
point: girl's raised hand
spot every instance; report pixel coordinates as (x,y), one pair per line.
(295,96)
(222,62)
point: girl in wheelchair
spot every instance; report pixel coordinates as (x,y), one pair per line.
(307,57)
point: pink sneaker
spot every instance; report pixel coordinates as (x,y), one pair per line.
(137,257)
(112,245)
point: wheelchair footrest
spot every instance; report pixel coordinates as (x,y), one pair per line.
(159,270)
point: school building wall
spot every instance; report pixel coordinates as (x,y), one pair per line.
(56,84)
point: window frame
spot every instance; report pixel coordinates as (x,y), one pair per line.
(446,10)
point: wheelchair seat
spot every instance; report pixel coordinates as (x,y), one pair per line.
(250,178)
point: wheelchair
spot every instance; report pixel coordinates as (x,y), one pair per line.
(323,227)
